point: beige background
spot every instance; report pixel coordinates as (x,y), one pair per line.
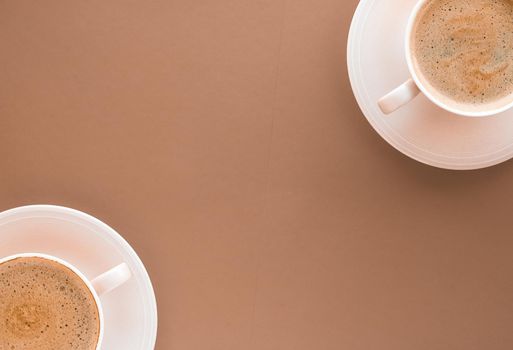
(221,138)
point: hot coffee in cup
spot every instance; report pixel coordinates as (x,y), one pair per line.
(460,55)
(47,304)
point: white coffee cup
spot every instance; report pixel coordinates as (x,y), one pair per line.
(417,84)
(98,286)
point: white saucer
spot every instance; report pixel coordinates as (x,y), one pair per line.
(93,247)
(422,131)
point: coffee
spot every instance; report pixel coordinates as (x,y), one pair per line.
(44,305)
(464,49)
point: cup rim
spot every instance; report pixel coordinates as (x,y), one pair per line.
(413,72)
(78,273)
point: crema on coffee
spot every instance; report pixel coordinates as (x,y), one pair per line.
(464,48)
(45,306)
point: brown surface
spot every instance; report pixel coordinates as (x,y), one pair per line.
(221,138)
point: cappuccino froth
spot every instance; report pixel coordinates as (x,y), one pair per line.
(46,306)
(464,49)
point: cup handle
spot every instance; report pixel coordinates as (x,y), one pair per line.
(111,279)
(398,97)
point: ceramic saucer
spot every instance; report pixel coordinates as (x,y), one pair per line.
(93,247)
(421,130)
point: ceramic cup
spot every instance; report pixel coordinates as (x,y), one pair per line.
(98,286)
(418,84)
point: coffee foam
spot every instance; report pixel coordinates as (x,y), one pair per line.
(46,306)
(463,50)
